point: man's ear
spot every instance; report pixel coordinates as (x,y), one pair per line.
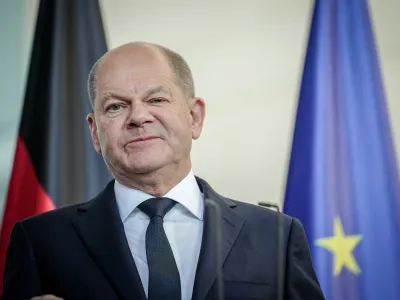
(198,114)
(93,132)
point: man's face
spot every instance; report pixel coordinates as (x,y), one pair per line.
(142,121)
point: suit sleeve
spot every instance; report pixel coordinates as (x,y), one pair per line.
(20,280)
(301,280)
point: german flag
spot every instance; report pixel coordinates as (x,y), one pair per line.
(55,163)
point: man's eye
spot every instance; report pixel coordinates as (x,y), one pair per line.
(114,107)
(157,100)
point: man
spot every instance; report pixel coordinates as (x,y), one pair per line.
(150,233)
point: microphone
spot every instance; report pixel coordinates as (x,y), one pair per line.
(280,269)
(214,207)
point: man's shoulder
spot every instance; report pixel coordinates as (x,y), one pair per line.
(254,215)
(258,215)
(61,214)
(250,209)
(263,221)
(53,217)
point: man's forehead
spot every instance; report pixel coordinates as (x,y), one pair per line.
(140,72)
(126,69)
(135,82)
(144,89)
(139,56)
(133,69)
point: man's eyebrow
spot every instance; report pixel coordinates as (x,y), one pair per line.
(109,95)
(154,90)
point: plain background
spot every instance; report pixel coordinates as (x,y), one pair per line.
(247,59)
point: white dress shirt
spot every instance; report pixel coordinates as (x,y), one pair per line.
(183,226)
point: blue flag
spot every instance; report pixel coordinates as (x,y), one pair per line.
(342,181)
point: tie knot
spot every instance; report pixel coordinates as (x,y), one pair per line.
(156,206)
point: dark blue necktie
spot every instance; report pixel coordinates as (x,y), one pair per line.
(164,281)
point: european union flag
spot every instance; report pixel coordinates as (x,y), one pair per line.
(342,182)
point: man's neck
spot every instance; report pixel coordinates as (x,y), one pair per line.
(156,183)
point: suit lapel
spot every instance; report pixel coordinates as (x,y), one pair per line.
(101,230)
(230,223)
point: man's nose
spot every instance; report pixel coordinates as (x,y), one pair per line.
(139,115)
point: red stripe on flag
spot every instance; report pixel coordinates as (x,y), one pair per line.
(26,197)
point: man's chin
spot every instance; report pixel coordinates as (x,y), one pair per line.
(144,168)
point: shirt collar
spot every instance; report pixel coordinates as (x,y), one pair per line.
(187,193)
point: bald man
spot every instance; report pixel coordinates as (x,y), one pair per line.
(149,234)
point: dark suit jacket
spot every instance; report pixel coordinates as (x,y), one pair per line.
(80,253)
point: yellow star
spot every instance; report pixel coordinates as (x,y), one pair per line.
(341,247)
